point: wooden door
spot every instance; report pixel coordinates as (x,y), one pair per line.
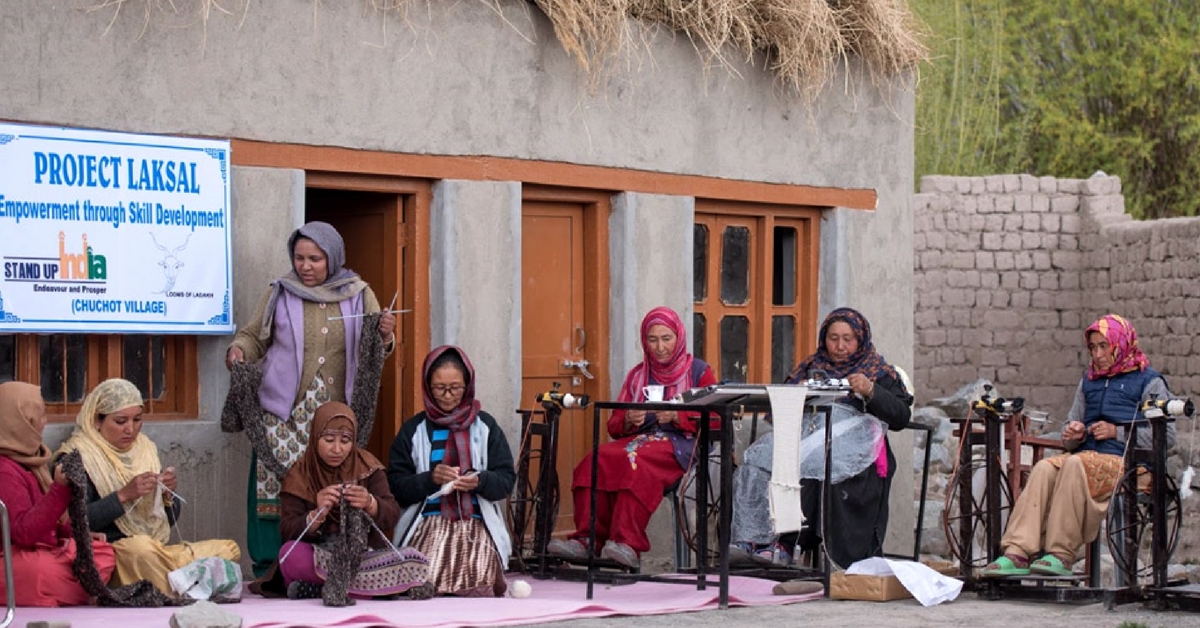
(371,225)
(555,328)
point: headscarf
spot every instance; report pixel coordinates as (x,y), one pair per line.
(310,474)
(21,411)
(1127,355)
(340,283)
(865,360)
(675,374)
(109,468)
(458,421)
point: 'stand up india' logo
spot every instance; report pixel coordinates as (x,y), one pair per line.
(85,265)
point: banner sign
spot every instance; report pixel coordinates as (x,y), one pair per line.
(113,233)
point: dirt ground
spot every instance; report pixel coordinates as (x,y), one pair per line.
(967,610)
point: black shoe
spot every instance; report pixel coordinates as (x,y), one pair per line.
(300,590)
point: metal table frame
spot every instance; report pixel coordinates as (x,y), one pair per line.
(752,400)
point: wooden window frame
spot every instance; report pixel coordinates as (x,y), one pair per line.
(762,220)
(181,398)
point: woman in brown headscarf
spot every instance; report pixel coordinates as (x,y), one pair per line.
(331,469)
(42,546)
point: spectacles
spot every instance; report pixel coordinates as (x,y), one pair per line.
(442,390)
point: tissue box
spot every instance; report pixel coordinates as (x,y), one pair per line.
(878,588)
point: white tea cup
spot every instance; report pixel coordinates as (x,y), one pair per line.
(653,392)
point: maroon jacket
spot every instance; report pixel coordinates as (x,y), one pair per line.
(32,514)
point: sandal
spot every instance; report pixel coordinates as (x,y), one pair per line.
(1050,565)
(1007,565)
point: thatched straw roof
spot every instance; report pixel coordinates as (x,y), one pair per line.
(802,40)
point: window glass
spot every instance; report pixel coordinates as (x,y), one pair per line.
(143,361)
(63,367)
(783,347)
(735,348)
(699,262)
(735,266)
(8,357)
(784,258)
(699,327)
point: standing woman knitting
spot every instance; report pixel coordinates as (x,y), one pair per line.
(43,547)
(307,359)
(130,496)
(451,469)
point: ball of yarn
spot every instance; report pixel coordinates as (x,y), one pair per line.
(520,589)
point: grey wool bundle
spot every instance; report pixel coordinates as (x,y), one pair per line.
(346,552)
(243,411)
(140,594)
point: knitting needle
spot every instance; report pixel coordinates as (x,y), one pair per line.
(302,533)
(389,311)
(173,493)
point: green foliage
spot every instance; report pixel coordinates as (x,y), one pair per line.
(1066,88)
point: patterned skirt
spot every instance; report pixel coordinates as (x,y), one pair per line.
(288,438)
(382,572)
(462,557)
(1103,471)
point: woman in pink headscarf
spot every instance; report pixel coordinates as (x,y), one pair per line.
(1067,496)
(648,453)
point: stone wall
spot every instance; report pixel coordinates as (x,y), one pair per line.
(1009,270)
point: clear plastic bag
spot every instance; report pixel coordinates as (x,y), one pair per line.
(208,579)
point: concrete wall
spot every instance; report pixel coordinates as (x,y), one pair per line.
(1011,269)
(459,79)
(475,285)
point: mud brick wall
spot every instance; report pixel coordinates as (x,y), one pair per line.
(1009,270)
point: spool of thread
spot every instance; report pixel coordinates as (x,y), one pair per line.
(520,589)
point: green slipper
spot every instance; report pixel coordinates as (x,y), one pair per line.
(1050,565)
(1003,567)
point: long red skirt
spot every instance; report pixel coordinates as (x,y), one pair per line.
(43,576)
(634,472)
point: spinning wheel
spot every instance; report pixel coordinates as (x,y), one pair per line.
(1130,517)
(686,506)
(533,505)
(965,516)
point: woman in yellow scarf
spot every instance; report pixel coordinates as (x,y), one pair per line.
(129,493)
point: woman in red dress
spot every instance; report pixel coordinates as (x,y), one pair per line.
(648,453)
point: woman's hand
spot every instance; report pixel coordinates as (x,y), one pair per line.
(387,325)
(444,473)
(1074,431)
(169,479)
(861,385)
(58,475)
(634,419)
(467,483)
(234,356)
(358,496)
(141,485)
(668,417)
(328,497)
(1102,430)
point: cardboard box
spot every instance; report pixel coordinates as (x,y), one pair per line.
(877,588)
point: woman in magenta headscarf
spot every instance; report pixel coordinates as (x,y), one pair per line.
(649,452)
(1067,496)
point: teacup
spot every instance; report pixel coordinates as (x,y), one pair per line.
(653,393)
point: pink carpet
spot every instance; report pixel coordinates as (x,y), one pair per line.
(552,600)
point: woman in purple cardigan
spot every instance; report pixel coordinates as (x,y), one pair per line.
(307,360)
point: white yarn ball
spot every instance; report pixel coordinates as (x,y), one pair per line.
(520,589)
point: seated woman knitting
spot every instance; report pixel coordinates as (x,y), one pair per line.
(332,473)
(858,515)
(1067,496)
(648,453)
(43,548)
(131,498)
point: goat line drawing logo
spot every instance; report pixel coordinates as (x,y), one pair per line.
(170,262)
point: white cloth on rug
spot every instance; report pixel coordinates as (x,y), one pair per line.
(787,407)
